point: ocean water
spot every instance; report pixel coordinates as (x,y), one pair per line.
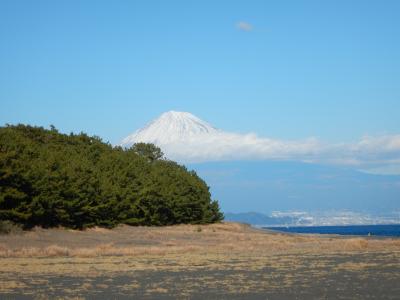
(373,230)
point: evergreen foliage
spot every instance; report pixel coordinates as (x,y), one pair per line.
(77,181)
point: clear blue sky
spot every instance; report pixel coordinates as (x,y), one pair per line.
(329,69)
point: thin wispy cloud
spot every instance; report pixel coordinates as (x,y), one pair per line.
(244,26)
(380,154)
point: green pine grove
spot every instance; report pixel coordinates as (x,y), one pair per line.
(52,179)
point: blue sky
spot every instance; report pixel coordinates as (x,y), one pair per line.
(329,69)
(288,186)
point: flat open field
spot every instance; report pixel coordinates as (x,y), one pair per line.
(219,261)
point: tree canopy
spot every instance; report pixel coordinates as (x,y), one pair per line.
(149,151)
(52,179)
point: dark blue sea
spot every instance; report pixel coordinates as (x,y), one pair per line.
(373,230)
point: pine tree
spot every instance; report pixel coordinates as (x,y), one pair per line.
(52,179)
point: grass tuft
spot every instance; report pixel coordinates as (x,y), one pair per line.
(7,227)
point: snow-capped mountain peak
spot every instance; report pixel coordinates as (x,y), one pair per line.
(186,138)
(170,127)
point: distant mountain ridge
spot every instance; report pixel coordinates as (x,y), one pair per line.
(334,218)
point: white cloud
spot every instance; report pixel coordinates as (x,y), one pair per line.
(385,143)
(233,146)
(244,26)
(185,138)
(369,153)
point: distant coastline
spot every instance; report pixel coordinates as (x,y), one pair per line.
(304,218)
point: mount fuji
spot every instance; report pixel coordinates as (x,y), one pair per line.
(186,138)
(171,127)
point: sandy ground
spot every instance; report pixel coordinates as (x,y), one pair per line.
(219,261)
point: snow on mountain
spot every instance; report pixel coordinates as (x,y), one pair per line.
(170,127)
(186,138)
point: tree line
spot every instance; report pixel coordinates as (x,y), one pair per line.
(52,179)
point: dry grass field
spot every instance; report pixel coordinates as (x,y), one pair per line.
(218,261)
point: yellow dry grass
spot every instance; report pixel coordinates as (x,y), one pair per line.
(180,239)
